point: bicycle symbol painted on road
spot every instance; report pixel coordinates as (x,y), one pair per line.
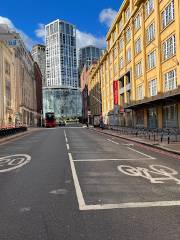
(155,173)
(13,162)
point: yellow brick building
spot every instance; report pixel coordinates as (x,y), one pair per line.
(143,55)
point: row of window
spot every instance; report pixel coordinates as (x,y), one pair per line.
(168,50)
(170,83)
(167,16)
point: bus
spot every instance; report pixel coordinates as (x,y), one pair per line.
(50,120)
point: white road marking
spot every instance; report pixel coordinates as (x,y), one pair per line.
(67,145)
(131,205)
(65,136)
(162,173)
(70,127)
(59,192)
(141,153)
(113,159)
(13,162)
(112,141)
(128,144)
(79,194)
(25,209)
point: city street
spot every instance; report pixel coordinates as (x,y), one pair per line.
(72,183)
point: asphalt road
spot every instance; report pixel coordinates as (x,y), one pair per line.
(73,183)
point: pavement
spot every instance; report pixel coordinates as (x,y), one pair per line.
(71,183)
(17,135)
(173,147)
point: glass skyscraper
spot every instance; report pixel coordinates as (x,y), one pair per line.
(88,55)
(61,93)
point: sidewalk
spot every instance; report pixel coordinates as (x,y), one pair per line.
(18,135)
(173,147)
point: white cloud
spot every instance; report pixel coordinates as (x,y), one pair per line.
(29,42)
(40,32)
(107,16)
(82,38)
(85,39)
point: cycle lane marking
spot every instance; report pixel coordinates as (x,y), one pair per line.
(139,204)
(79,194)
(164,173)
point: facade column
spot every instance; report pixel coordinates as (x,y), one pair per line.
(145,117)
(160,117)
(179,115)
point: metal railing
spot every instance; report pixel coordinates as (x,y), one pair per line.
(4,132)
(157,135)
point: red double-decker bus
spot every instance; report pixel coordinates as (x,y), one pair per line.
(50,120)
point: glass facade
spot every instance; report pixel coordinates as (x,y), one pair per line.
(88,55)
(64,102)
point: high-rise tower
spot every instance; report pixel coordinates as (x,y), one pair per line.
(61,61)
(62,93)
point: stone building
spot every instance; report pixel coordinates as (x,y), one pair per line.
(19,84)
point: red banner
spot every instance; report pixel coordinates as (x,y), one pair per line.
(115,92)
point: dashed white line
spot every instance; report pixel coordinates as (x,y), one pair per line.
(67,145)
(141,153)
(79,194)
(65,136)
(112,141)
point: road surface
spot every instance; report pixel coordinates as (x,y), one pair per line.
(72,183)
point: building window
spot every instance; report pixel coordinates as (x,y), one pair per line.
(115,35)
(150,33)
(115,52)
(149,7)
(121,63)
(111,58)
(120,25)
(170,80)
(168,15)
(151,60)
(140,92)
(137,22)
(128,55)
(115,69)
(169,47)
(170,116)
(121,44)
(138,69)
(127,14)
(111,41)
(128,34)
(138,46)
(153,87)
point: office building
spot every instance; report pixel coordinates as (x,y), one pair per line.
(87,56)
(140,72)
(39,56)
(61,94)
(18,85)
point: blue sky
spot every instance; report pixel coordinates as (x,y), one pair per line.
(92,18)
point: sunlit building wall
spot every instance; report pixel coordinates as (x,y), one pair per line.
(143,55)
